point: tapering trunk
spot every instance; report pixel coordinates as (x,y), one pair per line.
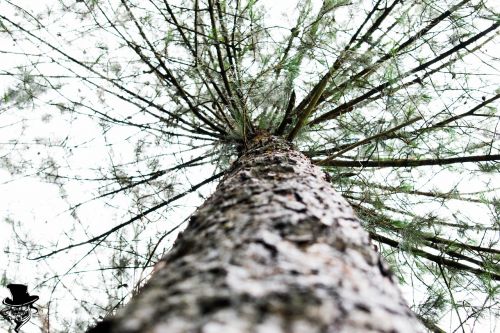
(274,249)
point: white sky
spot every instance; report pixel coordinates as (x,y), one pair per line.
(38,206)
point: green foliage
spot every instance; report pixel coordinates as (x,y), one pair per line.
(146,97)
(433,307)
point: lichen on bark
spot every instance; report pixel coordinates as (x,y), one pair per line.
(274,249)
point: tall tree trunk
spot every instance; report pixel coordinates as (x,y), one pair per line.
(274,249)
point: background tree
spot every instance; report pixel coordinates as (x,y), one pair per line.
(129,102)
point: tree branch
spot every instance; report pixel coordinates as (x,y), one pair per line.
(397,163)
(435,258)
(105,234)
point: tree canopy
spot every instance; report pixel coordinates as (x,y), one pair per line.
(134,109)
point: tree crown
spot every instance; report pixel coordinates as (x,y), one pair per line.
(396,100)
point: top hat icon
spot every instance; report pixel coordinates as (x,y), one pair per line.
(20,296)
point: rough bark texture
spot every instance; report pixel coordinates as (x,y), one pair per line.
(274,249)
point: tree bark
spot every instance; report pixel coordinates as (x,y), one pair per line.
(274,249)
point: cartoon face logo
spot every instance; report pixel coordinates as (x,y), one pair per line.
(20,307)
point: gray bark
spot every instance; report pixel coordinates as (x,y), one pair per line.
(274,249)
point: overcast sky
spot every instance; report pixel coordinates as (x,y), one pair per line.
(32,209)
